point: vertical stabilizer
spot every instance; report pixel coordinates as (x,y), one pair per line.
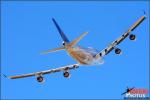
(63,36)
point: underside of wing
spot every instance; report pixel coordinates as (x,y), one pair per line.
(40,74)
(113,45)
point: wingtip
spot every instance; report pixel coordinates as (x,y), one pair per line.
(5,76)
(43,53)
(144,13)
(87,32)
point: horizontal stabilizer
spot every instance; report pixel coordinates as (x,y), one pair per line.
(74,42)
(53,50)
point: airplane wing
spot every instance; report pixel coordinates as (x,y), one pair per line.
(112,46)
(50,71)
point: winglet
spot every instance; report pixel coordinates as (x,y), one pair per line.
(144,12)
(5,76)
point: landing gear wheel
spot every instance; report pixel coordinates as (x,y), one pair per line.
(66,74)
(40,79)
(117,51)
(132,37)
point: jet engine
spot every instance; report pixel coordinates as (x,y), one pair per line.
(132,37)
(118,51)
(40,79)
(66,74)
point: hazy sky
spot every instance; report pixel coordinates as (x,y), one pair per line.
(27,30)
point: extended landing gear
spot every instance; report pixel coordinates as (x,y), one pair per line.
(118,51)
(132,37)
(66,74)
(40,79)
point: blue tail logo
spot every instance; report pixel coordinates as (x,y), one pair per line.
(63,36)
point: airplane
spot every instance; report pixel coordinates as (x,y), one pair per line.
(128,90)
(83,56)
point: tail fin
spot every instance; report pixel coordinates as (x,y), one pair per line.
(53,50)
(74,42)
(63,36)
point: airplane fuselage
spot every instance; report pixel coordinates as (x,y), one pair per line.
(84,56)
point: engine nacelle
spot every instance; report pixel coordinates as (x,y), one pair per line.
(40,79)
(132,37)
(118,51)
(66,74)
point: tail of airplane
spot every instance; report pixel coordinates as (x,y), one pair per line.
(65,39)
(74,42)
(53,50)
(63,36)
